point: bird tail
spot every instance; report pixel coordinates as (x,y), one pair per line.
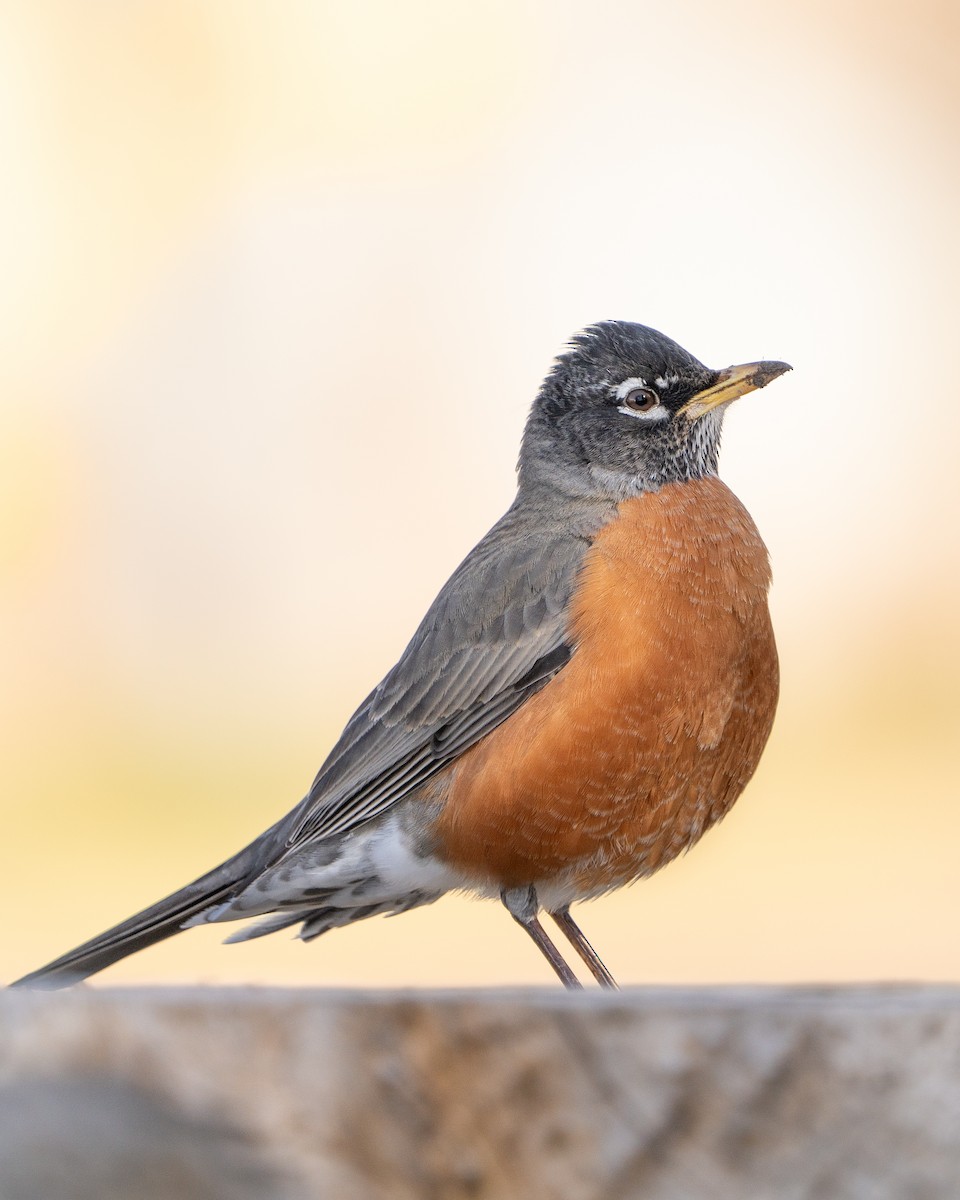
(153,924)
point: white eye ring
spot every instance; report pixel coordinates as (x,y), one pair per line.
(638,399)
(641,400)
(660,413)
(629,385)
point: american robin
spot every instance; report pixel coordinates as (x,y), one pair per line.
(590,691)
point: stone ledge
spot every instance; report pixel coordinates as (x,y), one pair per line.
(665,1094)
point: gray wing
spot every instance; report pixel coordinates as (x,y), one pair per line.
(496,633)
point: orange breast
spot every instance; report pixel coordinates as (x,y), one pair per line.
(653,729)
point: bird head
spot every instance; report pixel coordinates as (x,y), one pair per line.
(626,410)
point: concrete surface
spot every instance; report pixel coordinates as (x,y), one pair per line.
(779,1094)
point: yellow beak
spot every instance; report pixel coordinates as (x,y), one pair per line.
(732,383)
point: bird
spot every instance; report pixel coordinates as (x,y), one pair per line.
(590,691)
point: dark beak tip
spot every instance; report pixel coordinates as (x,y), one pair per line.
(768,371)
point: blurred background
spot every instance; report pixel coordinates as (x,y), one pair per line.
(278,286)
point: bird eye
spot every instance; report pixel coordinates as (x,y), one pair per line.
(641,399)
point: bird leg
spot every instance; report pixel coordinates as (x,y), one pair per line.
(575,935)
(521,904)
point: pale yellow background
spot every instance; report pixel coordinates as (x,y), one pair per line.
(278,283)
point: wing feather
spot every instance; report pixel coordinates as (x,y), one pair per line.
(496,633)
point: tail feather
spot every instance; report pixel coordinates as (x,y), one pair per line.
(153,924)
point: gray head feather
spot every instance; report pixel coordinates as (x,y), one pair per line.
(578,441)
